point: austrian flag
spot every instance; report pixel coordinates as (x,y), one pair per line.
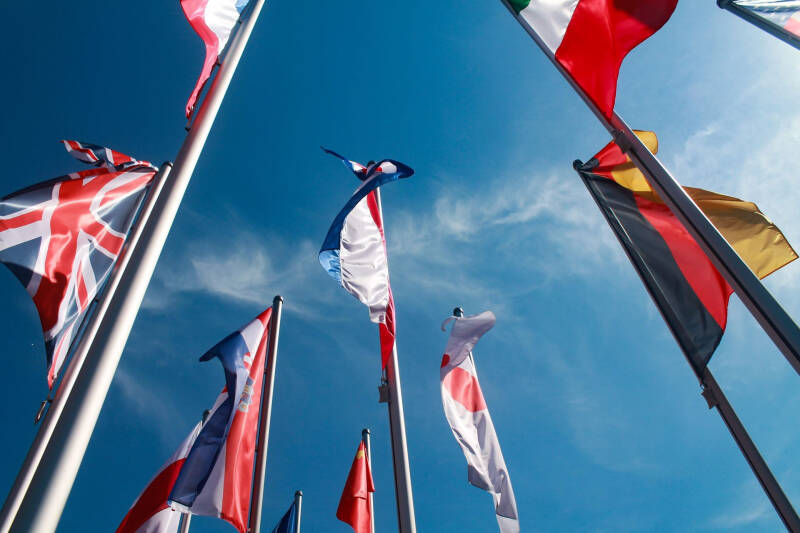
(62,237)
(590,38)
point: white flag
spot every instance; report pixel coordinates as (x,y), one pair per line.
(469,418)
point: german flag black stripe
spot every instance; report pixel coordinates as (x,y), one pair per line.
(693,326)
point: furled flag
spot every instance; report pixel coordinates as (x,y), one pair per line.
(590,38)
(213,20)
(469,418)
(782,15)
(150,512)
(689,291)
(216,479)
(354,508)
(289,521)
(354,251)
(62,237)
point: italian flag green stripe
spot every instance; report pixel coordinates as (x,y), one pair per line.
(519,5)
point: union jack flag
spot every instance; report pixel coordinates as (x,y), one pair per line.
(61,238)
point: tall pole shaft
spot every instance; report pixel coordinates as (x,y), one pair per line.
(23,479)
(715,397)
(367,445)
(44,502)
(298,510)
(397,429)
(265,414)
(186,520)
(762,305)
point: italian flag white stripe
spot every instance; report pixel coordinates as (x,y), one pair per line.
(549,19)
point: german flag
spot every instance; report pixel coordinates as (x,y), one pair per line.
(690,293)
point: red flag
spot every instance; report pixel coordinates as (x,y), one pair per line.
(354,508)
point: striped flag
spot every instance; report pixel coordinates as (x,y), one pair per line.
(783,13)
(216,478)
(213,20)
(590,38)
(468,416)
(150,512)
(354,250)
(690,293)
(62,237)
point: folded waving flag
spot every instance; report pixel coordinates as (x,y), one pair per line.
(590,38)
(689,291)
(288,522)
(150,512)
(213,20)
(354,251)
(62,237)
(469,418)
(783,13)
(354,508)
(216,479)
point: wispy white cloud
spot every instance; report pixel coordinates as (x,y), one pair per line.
(749,507)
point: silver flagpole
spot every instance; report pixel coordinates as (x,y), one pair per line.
(265,414)
(44,502)
(64,389)
(365,438)
(298,510)
(762,305)
(397,428)
(186,519)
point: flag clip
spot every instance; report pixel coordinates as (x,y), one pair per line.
(383,392)
(708,394)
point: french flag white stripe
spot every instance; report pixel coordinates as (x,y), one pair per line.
(549,19)
(362,256)
(220,17)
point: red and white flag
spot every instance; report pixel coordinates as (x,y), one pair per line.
(469,418)
(150,513)
(213,20)
(590,38)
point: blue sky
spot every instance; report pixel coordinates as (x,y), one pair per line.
(600,418)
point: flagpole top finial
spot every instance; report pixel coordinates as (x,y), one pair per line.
(577,164)
(298,493)
(365,432)
(278,298)
(458,311)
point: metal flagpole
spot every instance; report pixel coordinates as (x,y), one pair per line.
(762,305)
(760,22)
(397,427)
(713,393)
(365,438)
(186,519)
(715,398)
(64,389)
(265,414)
(44,502)
(298,510)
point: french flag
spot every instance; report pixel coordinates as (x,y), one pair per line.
(213,20)
(469,419)
(354,250)
(216,478)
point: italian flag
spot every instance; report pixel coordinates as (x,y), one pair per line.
(590,38)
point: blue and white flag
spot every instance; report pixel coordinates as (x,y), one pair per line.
(354,251)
